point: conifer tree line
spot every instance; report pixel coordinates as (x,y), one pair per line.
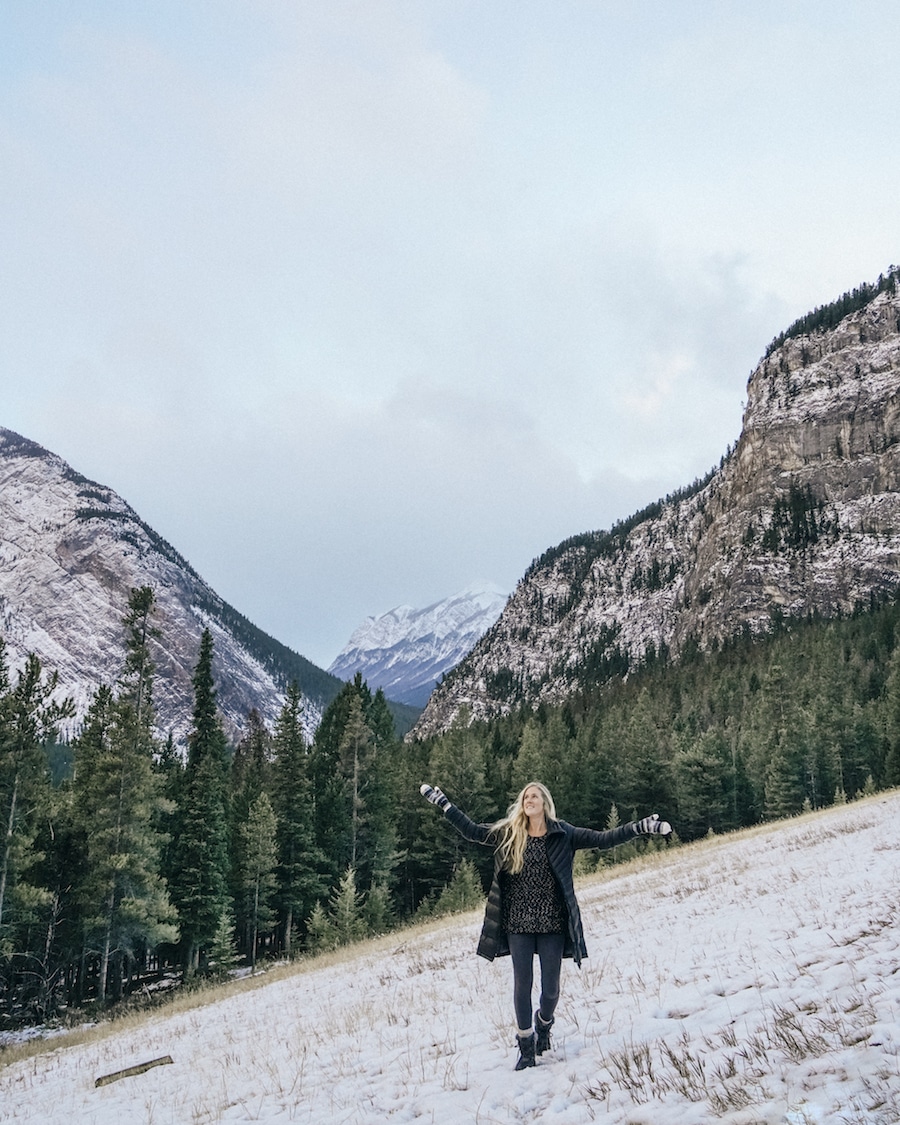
(142,862)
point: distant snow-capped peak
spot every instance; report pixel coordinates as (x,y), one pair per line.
(405,651)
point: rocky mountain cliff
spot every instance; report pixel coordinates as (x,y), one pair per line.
(70,552)
(802,517)
(406,651)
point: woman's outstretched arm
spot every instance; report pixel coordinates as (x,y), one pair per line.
(612,837)
(477,833)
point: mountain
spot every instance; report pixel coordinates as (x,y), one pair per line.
(70,552)
(406,651)
(802,517)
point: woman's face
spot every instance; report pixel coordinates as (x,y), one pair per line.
(532,801)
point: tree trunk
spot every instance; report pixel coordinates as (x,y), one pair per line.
(7,846)
(355,810)
(46,972)
(191,959)
(104,969)
(255,927)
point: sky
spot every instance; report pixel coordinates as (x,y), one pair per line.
(360,303)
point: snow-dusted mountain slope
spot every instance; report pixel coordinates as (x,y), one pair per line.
(747,980)
(70,552)
(802,517)
(406,651)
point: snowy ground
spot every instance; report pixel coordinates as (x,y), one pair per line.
(749,979)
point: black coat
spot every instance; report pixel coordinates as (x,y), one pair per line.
(563,840)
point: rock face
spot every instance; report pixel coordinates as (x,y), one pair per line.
(71,551)
(802,516)
(406,651)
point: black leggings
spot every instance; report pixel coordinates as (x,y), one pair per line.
(522,948)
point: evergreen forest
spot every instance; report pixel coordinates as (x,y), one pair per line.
(824,318)
(129,866)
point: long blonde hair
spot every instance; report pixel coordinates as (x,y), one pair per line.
(513,828)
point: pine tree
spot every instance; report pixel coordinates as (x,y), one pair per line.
(785,771)
(199,879)
(784,782)
(530,762)
(300,860)
(250,777)
(117,799)
(29,717)
(380,852)
(645,770)
(616,855)
(320,935)
(545,755)
(356,751)
(353,782)
(463,892)
(332,814)
(260,856)
(892,722)
(345,911)
(595,756)
(377,910)
(223,957)
(701,772)
(457,765)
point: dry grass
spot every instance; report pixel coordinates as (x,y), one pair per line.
(181,1001)
(698,1015)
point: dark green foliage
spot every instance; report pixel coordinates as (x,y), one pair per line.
(342,922)
(118,800)
(604,660)
(60,759)
(403,715)
(30,906)
(463,892)
(199,857)
(259,854)
(301,861)
(798,521)
(29,717)
(574,558)
(353,772)
(123,903)
(249,780)
(825,317)
(761,727)
(591,545)
(757,729)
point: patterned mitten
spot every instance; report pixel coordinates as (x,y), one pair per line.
(435,796)
(652,826)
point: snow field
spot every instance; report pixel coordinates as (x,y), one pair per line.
(752,979)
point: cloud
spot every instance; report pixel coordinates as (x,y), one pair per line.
(356,301)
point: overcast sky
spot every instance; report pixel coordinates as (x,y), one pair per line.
(360,302)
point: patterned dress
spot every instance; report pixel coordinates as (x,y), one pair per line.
(532,900)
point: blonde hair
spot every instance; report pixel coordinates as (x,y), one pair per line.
(513,828)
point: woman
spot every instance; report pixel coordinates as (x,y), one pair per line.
(531,906)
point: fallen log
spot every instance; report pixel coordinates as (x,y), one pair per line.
(128,1072)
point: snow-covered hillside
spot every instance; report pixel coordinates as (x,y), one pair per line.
(406,651)
(752,980)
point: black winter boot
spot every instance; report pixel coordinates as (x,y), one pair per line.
(543,1033)
(526,1051)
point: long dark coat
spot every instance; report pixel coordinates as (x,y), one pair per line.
(563,840)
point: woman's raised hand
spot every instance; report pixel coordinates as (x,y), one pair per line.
(652,826)
(436,797)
